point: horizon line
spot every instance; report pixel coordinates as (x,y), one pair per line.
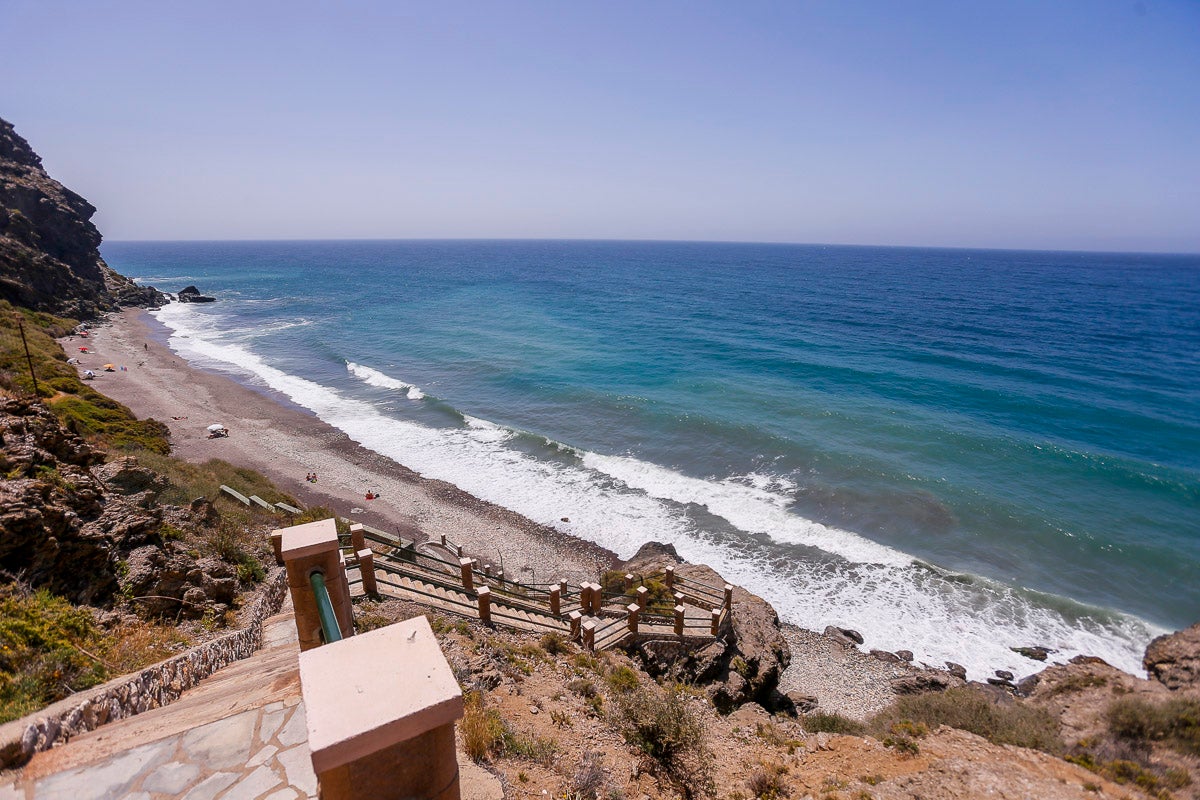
(658,241)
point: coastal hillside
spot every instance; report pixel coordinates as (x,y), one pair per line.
(49,256)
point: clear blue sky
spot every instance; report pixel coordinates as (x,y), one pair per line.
(1046,124)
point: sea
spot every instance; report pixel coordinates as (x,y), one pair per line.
(954,452)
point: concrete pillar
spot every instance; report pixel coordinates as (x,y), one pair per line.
(669,577)
(679,620)
(589,635)
(585,598)
(466,566)
(459,550)
(597,598)
(366,568)
(628,581)
(678,598)
(358,537)
(728,597)
(484,598)
(277,545)
(380,712)
(556,599)
(716,620)
(642,596)
(308,548)
(576,618)
(632,610)
(443,540)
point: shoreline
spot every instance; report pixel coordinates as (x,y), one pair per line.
(285,442)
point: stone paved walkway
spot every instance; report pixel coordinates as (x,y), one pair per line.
(239,735)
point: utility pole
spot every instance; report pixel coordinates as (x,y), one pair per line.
(29,358)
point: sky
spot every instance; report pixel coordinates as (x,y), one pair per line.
(1049,124)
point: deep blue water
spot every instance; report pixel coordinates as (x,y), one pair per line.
(953,451)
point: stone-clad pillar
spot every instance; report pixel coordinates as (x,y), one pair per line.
(380,709)
(313,547)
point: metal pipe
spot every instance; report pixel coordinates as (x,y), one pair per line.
(329,624)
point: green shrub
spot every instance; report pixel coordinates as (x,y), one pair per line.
(621,679)
(659,723)
(482,728)
(46,648)
(831,722)
(553,643)
(978,712)
(1175,722)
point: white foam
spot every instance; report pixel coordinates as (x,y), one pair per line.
(749,508)
(377,378)
(618,502)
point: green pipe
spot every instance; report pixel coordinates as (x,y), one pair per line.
(329,624)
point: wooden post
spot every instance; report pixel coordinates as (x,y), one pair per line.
(716,620)
(669,578)
(358,539)
(366,568)
(678,598)
(585,598)
(628,581)
(465,566)
(443,540)
(632,616)
(556,599)
(487,570)
(484,596)
(576,619)
(679,620)
(642,594)
(728,597)
(597,598)
(589,635)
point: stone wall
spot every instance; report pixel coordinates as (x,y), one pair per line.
(141,691)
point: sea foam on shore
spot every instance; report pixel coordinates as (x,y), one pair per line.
(814,574)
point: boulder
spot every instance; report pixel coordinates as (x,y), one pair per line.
(957,670)
(1174,659)
(126,476)
(1036,652)
(886,657)
(905,655)
(844,636)
(190,294)
(922,682)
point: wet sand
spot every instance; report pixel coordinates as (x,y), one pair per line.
(284,442)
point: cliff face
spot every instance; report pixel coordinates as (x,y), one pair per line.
(49,256)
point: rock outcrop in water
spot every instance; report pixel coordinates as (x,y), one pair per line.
(49,256)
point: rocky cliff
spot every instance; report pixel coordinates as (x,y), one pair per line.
(49,256)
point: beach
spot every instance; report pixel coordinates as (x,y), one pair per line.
(286,443)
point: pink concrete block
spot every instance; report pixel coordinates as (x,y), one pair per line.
(309,539)
(369,692)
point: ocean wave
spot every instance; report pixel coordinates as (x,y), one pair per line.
(895,601)
(376,378)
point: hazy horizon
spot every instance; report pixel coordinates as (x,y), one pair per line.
(643,241)
(991,126)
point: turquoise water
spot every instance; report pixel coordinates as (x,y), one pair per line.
(951,451)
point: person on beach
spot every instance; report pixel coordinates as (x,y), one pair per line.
(370,496)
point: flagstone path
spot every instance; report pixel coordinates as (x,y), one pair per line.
(239,735)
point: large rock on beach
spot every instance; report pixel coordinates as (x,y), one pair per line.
(1174,659)
(190,294)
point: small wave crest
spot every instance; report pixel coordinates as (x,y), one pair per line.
(376,378)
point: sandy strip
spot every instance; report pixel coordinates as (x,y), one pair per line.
(286,443)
